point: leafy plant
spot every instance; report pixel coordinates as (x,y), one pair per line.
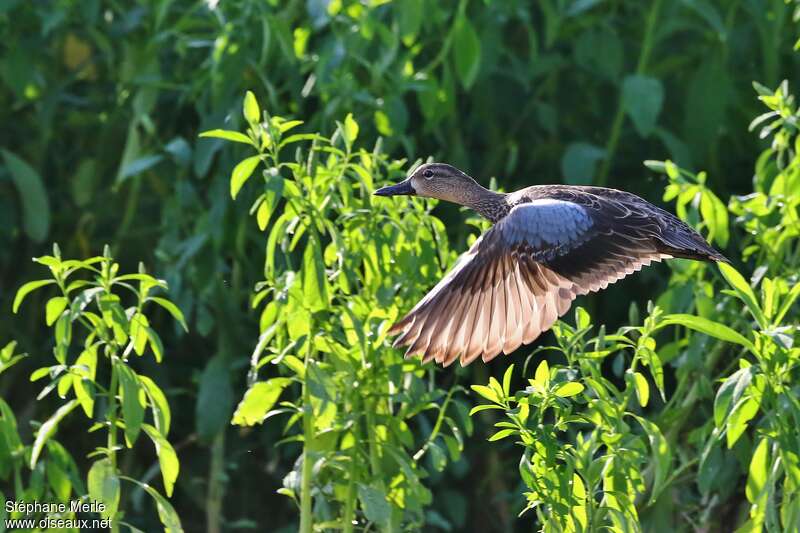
(593,458)
(88,316)
(334,273)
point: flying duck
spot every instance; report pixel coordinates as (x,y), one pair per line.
(547,245)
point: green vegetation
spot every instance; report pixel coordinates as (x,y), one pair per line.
(233,147)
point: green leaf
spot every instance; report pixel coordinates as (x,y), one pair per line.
(507,379)
(409,17)
(758,471)
(787,303)
(376,506)
(569,389)
(730,392)
(661,453)
(138,165)
(542,376)
(579,161)
(158,404)
(228,135)
(438,457)
(642,388)
(251,111)
(486,392)
(350,129)
(47,429)
(27,289)
(167,458)
(467,49)
(738,420)
(166,513)
(155,344)
(242,172)
(707,11)
(273,191)
(139,326)
(132,408)
(503,433)
(315,282)
(33,195)
(104,486)
(744,291)
(171,308)
(714,329)
(214,399)
(55,306)
(83,393)
(484,407)
(715,215)
(258,400)
(708,94)
(599,50)
(642,98)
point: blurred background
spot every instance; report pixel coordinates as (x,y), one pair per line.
(103,102)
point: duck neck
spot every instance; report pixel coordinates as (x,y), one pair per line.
(491,205)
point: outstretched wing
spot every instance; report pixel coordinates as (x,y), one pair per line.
(524,272)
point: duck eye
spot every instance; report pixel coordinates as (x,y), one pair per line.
(427,173)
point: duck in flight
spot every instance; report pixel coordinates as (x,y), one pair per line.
(548,244)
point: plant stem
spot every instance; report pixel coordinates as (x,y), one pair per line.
(112,429)
(348,514)
(215,485)
(308,439)
(619,116)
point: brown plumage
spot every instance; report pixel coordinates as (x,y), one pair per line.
(548,244)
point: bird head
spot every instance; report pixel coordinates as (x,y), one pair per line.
(433,180)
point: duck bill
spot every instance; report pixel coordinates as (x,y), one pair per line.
(402,188)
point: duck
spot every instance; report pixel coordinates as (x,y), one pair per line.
(547,245)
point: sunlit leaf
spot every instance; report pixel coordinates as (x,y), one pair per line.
(569,389)
(758,471)
(176,313)
(242,172)
(228,135)
(132,408)
(258,400)
(662,456)
(714,329)
(251,111)
(350,129)
(740,416)
(166,513)
(486,392)
(55,306)
(542,376)
(315,282)
(507,379)
(503,433)
(158,404)
(744,291)
(167,458)
(103,484)
(27,289)
(730,392)
(641,387)
(47,429)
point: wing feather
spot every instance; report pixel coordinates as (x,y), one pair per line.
(521,275)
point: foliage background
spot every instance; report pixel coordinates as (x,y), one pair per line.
(104,101)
